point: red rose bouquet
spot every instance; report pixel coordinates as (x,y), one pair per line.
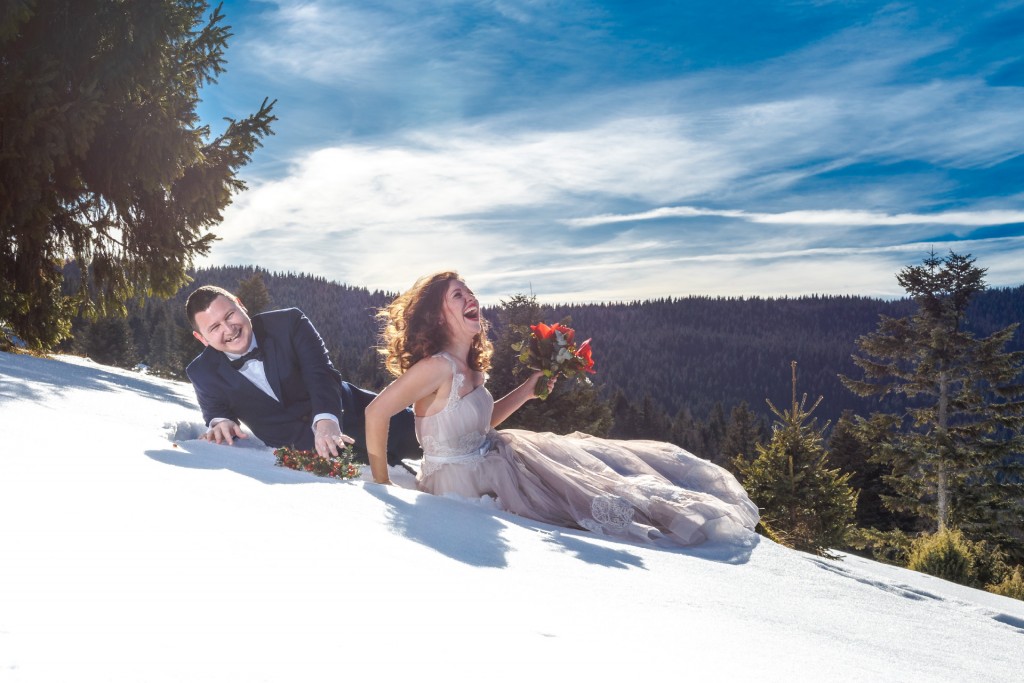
(340,467)
(552,349)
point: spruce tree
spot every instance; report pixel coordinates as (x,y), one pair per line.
(852,451)
(171,345)
(572,406)
(253,293)
(108,341)
(687,432)
(805,504)
(742,435)
(514,313)
(626,417)
(654,423)
(956,450)
(103,160)
(713,433)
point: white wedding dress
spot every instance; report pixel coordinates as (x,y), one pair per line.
(647,491)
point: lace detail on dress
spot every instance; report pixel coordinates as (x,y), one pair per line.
(609,512)
(458,379)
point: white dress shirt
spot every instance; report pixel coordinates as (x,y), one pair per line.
(254,371)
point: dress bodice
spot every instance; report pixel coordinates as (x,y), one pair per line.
(460,430)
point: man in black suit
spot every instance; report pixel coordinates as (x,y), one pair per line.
(272,373)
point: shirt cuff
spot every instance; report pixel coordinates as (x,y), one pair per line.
(326,416)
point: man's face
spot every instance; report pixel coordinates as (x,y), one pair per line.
(224,326)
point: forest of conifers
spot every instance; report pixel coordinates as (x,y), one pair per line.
(693,358)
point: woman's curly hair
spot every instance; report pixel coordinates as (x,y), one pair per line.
(413,327)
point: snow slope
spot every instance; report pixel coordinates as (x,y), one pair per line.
(129,551)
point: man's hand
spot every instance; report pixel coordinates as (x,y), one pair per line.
(224,431)
(329,438)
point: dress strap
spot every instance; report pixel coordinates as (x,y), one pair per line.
(457,379)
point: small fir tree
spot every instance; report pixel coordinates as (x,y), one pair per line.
(805,504)
(944,554)
(949,555)
(1012,585)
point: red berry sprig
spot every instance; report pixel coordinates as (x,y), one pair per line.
(340,467)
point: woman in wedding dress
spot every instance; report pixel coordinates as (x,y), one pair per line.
(649,491)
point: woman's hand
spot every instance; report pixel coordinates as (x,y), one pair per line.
(535,377)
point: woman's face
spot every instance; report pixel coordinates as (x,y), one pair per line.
(461,311)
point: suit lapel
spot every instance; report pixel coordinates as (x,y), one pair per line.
(235,380)
(270,348)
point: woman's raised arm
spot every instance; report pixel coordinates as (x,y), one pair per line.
(515,399)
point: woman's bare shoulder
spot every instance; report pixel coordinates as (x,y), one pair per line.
(433,367)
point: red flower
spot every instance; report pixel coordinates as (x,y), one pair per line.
(552,350)
(543,331)
(584,353)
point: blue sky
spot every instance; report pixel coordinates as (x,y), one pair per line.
(606,151)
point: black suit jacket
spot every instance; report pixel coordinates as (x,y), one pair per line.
(301,374)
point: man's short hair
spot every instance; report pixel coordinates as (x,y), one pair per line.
(200,300)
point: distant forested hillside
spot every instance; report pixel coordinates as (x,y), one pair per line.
(694,355)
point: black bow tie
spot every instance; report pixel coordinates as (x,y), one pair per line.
(255,354)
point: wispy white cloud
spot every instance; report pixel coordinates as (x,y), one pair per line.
(841,217)
(323,42)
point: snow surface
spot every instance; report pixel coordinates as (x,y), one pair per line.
(130,551)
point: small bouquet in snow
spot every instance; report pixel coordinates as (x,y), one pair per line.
(552,349)
(340,467)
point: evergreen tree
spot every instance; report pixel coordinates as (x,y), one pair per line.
(253,293)
(653,423)
(102,157)
(625,417)
(955,451)
(513,316)
(688,432)
(572,406)
(108,341)
(851,451)
(714,435)
(742,435)
(171,344)
(805,504)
